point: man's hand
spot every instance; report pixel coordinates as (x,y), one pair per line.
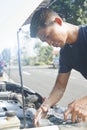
(41,113)
(78,110)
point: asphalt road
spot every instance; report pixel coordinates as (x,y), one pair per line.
(42,79)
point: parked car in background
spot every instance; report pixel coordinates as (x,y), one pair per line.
(1,71)
(56,62)
(1,68)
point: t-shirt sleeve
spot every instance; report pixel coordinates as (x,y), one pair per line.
(64,65)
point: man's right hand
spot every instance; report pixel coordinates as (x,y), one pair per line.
(40,113)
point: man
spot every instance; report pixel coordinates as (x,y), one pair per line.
(50,28)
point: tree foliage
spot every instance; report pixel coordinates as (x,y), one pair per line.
(6,55)
(45,54)
(73,11)
(37,47)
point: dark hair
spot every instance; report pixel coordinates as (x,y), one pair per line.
(39,19)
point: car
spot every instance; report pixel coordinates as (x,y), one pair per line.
(1,68)
(1,71)
(56,62)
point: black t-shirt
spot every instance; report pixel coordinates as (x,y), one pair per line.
(74,56)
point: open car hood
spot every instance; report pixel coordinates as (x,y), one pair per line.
(44,3)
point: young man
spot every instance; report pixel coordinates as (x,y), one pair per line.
(50,28)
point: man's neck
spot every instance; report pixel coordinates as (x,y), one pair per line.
(72,31)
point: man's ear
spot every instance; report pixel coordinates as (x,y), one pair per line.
(58,20)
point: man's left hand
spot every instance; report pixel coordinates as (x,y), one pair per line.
(78,110)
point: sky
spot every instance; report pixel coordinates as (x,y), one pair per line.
(13,13)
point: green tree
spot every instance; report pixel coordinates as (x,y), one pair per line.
(37,47)
(45,54)
(73,11)
(6,54)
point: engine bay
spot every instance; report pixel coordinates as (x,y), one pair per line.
(11,100)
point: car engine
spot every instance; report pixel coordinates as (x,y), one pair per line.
(11,100)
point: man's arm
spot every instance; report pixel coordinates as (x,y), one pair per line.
(58,89)
(55,95)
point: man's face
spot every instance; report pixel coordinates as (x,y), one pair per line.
(54,35)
